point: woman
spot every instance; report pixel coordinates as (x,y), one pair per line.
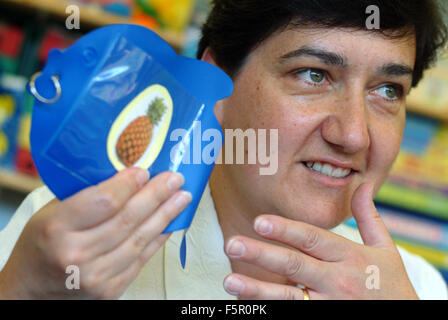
(336,93)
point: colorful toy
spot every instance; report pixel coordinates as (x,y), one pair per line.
(119,7)
(169,14)
(11,42)
(11,102)
(7,109)
(23,159)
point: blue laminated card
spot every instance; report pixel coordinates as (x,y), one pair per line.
(121,97)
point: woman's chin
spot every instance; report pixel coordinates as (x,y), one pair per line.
(324,214)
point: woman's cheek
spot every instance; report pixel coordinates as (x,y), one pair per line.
(386,142)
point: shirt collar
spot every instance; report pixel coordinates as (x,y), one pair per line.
(207,265)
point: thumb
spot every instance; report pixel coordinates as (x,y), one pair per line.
(371,227)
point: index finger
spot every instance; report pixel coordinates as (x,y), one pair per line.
(96,204)
(316,242)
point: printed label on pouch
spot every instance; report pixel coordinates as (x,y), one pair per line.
(139,132)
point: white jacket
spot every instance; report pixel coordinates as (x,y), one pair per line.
(207,265)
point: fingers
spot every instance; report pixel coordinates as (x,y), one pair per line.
(154,226)
(371,227)
(139,208)
(118,284)
(319,243)
(146,239)
(296,266)
(252,289)
(120,281)
(96,204)
(117,262)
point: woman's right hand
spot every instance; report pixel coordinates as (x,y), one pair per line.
(108,231)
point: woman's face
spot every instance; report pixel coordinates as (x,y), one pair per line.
(337,97)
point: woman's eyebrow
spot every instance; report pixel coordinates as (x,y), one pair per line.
(335,59)
(327,57)
(395,70)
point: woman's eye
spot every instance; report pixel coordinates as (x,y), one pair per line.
(389,92)
(312,75)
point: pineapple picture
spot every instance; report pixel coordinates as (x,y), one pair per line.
(136,137)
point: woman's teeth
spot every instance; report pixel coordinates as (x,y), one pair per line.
(328,169)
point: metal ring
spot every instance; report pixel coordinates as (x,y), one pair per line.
(306,294)
(36,94)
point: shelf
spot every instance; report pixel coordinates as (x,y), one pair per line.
(430,97)
(90,15)
(18,181)
(438,258)
(427,112)
(424,202)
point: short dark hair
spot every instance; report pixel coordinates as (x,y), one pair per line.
(235,27)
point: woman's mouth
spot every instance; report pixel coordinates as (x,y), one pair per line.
(329,175)
(328,170)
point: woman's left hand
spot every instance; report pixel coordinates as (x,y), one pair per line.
(328,265)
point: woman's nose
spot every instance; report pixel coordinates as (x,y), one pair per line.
(346,128)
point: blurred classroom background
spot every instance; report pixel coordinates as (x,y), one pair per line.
(413,202)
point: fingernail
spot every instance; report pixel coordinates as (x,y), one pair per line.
(175,181)
(183,199)
(263,226)
(233,285)
(142,176)
(235,248)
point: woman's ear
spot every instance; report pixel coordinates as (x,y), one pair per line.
(219,106)
(208,57)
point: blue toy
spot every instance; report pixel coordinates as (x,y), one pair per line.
(89,94)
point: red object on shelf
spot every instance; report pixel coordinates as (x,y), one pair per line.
(11,39)
(54,38)
(25,163)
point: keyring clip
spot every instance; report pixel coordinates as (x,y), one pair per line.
(36,94)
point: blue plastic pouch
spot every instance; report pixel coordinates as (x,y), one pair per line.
(119,97)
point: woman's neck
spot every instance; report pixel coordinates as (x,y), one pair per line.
(236,217)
